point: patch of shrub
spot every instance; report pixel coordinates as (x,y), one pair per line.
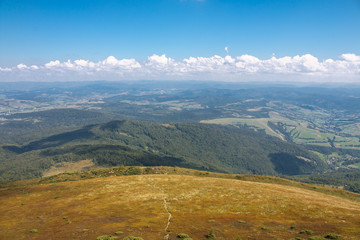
(211,235)
(119,233)
(333,236)
(308,232)
(241,221)
(298,238)
(106,237)
(353,187)
(317,238)
(133,171)
(211,220)
(133,238)
(264,228)
(182,235)
(34,230)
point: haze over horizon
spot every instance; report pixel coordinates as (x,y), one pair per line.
(236,41)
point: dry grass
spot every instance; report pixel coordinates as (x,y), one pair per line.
(135,206)
(69,166)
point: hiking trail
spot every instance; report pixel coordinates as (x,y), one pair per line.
(166,206)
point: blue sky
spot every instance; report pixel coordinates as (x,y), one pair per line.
(37,32)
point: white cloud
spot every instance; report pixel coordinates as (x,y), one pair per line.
(22,66)
(350,57)
(111,61)
(52,64)
(248,59)
(82,63)
(159,60)
(88,67)
(229,59)
(239,68)
(6,69)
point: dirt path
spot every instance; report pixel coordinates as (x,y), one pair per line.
(166,206)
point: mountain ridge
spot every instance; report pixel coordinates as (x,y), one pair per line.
(128,142)
(130,201)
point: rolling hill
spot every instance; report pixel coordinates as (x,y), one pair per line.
(140,143)
(166,203)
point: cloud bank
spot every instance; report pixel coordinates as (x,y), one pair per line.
(305,68)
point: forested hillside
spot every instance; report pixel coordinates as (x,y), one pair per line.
(22,127)
(199,146)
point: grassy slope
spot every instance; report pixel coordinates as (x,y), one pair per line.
(135,206)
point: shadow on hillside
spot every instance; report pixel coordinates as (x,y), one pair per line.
(113,125)
(288,164)
(53,141)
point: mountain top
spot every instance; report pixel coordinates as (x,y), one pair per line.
(158,202)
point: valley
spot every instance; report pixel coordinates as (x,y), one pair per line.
(57,125)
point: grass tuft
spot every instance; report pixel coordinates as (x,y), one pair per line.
(317,238)
(308,232)
(106,237)
(333,236)
(211,235)
(182,235)
(133,238)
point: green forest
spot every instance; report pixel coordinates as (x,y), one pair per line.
(141,143)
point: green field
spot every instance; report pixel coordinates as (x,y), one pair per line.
(299,132)
(255,123)
(351,128)
(357,165)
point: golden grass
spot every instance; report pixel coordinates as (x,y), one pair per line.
(69,167)
(135,206)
